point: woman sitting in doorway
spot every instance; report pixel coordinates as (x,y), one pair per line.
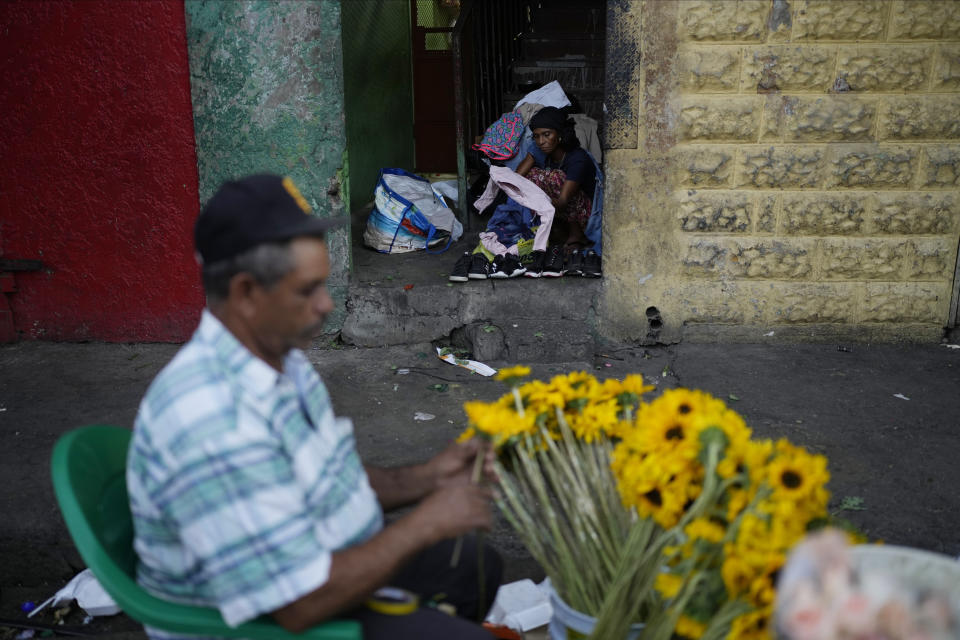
(566,173)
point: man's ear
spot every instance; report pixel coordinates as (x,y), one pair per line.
(242,294)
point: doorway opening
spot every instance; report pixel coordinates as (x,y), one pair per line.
(423,80)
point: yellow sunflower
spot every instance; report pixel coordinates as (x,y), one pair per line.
(512,374)
(668,584)
(705,529)
(736,572)
(540,397)
(676,419)
(752,626)
(798,479)
(498,422)
(689,628)
(634,384)
(595,420)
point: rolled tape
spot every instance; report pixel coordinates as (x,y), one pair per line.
(393,601)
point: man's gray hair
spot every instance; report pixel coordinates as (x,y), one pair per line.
(267,263)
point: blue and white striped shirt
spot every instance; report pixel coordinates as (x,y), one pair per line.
(242,481)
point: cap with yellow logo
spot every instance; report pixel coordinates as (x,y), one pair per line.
(245,213)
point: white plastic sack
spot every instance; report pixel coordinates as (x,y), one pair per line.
(521,605)
(423,197)
(409,215)
(86,590)
(447,188)
(549,95)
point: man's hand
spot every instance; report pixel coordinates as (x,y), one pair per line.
(453,511)
(454,465)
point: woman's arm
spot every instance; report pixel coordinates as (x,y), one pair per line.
(567,191)
(524,167)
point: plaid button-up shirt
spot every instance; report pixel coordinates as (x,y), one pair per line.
(242,481)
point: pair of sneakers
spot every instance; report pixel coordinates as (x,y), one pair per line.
(583,262)
(546,264)
(475,266)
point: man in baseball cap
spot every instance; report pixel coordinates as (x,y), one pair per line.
(246,490)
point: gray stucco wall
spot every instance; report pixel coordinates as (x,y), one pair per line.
(267,89)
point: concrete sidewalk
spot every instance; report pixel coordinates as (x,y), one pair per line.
(887,417)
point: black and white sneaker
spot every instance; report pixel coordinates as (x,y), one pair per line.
(535,267)
(479,267)
(553,264)
(591,264)
(573,265)
(506,266)
(461,269)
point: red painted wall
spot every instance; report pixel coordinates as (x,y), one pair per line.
(99,171)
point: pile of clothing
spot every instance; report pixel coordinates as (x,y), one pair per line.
(515,241)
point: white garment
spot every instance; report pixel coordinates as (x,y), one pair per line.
(549,95)
(523,192)
(586,130)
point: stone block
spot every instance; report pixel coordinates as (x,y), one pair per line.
(916,213)
(924,20)
(931,117)
(788,68)
(766,217)
(715,211)
(780,167)
(941,167)
(931,259)
(704,257)
(885,68)
(706,306)
(773,259)
(702,166)
(822,214)
(755,258)
(835,118)
(906,302)
(856,259)
(872,166)
(946,68)
(709,69)
(846,20)
(723,20)
(727,301)
(722,119)
(815,303)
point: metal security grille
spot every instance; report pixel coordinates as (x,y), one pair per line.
(436,14)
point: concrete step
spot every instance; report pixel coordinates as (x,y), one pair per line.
(407,299)
(520,320)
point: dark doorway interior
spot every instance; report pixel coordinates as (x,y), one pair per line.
(433,114)
(517,47)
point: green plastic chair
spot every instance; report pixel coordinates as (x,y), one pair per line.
(89,479)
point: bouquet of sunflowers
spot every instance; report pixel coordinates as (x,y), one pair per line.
(664,513)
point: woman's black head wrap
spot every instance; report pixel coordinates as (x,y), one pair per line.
(554,118)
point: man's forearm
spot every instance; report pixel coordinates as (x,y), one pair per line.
(358,571)
(401,486)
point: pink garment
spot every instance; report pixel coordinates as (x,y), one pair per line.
(523,192)
(492,244)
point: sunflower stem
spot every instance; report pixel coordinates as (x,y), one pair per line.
(474,479)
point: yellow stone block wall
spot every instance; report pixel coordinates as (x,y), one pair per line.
(796,170)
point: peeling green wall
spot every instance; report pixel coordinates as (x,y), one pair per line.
(267,88)
(378,91)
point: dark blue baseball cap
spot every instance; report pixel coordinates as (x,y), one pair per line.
(245,213)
